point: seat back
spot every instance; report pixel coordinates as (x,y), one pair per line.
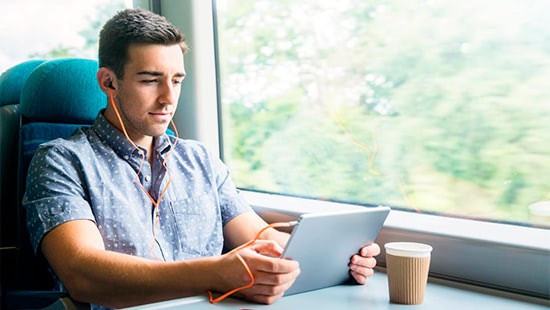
(11,84)
(58,97)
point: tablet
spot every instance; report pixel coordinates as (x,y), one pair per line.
(323,244)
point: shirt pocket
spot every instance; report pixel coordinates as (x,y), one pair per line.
(198,224)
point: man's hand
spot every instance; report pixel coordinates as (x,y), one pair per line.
(361,265)
(272,275)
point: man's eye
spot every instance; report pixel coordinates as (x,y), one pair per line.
(149,81)
(177,82)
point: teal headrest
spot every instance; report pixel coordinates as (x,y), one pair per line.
(63,91)
(13,79)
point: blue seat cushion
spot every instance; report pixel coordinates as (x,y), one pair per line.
(63,91)
(13,79)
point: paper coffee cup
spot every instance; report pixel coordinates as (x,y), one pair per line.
(407,265)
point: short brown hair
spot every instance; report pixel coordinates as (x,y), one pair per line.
(134,26)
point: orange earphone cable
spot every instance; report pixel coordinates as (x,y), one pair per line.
(245,265)
(136,180)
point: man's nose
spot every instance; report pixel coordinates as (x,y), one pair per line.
(168,93)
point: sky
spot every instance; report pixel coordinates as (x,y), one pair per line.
(37,26)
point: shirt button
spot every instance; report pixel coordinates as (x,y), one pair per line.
(126,157)
(147,178)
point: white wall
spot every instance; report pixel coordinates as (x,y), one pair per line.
(197,114)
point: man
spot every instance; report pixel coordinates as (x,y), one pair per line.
(96,225)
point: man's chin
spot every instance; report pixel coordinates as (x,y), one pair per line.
(157,132)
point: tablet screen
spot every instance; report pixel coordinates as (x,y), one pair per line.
(323,244)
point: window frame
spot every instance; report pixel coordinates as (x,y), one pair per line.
(500,256)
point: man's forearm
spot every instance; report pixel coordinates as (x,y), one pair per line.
(119,280)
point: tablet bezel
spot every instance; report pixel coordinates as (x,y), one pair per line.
(323,244)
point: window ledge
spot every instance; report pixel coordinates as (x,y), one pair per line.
(464,250)
(496,233)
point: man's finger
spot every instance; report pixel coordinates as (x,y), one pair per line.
(267,247)
(262,277)
(361,279)
(369,262)
(366,272)
(370,250)
(272,265)
(265,299)
(266,289)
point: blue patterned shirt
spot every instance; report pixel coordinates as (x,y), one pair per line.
(91,176)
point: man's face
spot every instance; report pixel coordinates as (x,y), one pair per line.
(149,91)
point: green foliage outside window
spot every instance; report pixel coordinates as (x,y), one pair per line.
(433,105)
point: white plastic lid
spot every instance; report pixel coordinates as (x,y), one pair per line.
(409,249)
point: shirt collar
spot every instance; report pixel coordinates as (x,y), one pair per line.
(118,142)
(163,143)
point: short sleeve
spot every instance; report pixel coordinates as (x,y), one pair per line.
(231,202)
(54,192)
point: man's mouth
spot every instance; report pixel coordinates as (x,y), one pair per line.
(160,115)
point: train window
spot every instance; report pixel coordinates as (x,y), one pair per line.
(33,29)
(430,106)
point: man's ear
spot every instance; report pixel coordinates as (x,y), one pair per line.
(107,81)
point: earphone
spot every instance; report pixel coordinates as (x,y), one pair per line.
(157,203)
